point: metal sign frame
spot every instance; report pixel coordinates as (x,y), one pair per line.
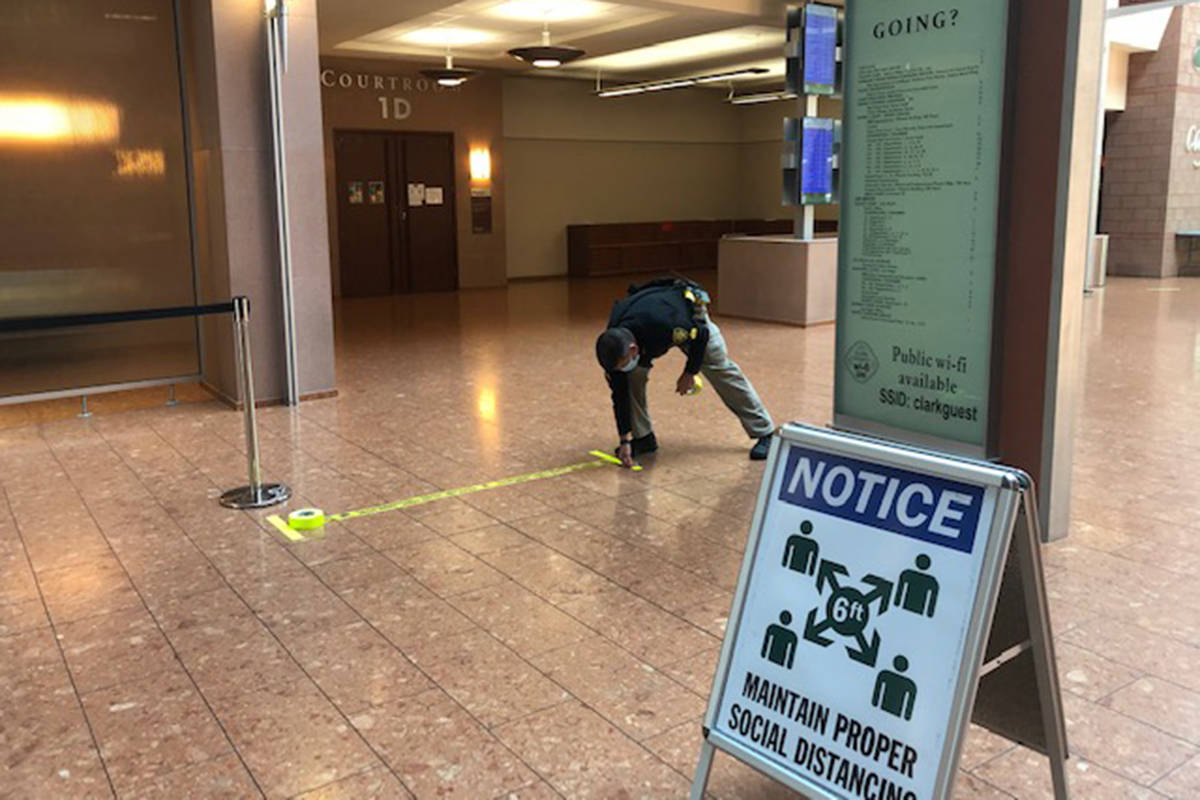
(1013,494)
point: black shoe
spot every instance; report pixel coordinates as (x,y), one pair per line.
(645,444)
(761,448)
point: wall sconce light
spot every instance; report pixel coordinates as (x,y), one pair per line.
(481,164)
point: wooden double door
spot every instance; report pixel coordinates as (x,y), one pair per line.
(396,221)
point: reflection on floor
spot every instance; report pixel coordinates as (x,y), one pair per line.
(553,639)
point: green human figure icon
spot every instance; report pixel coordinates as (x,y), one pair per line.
(894,693)
(917,592)
(800,554)
(779,645)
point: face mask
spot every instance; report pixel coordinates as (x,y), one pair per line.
(633,362)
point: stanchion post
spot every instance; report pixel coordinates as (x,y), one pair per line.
(255,494)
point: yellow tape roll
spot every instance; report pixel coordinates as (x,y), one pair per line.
(306,519)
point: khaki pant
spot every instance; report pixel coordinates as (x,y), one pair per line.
(724,376)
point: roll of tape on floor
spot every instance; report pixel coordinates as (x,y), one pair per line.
(306,519)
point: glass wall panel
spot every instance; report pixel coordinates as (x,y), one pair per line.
(93,192)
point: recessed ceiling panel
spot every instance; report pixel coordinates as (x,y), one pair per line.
(691,49)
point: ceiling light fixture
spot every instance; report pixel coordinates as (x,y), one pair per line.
(549,10)
(678,83)
(762,97)
(546,55)
(444,36)
(450,76)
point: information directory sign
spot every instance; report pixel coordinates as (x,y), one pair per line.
(820,48)
(920,171)
(817,138)
(862,610)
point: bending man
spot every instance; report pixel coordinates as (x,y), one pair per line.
(647,323)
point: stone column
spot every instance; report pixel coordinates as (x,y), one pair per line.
(226,65)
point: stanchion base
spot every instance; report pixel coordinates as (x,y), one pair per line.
(269,494)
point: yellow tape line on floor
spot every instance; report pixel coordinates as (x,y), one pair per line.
(280,524)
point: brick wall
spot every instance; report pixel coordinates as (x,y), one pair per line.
(1151,188)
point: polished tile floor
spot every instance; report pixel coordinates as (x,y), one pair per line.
(552,639)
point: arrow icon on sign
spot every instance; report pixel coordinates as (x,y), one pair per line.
(828,571)
(812,632)
(882,591)
(865,654)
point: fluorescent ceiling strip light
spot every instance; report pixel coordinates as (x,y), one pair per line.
(623,91)
(744,39)
(678,83)
(766,97)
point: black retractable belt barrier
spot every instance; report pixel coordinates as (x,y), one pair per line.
(254,495)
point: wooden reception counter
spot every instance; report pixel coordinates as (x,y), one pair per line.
(778,279)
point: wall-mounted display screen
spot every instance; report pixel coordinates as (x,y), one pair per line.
(820,49)
(816,161)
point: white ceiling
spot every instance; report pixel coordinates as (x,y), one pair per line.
(626,40)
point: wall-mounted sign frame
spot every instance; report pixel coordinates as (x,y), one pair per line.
(923,131)
(865,621)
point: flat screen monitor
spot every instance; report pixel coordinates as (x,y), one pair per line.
(820,49)
(816,161)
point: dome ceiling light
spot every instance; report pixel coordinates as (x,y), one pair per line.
(450,75)
(546,55)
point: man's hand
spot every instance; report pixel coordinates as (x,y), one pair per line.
(625,453)
(685,383)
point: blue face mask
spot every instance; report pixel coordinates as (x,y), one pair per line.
(633,362)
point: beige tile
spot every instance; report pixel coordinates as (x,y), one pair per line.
(970,787)
(981,746)
(293,740)
(1026,775)
(357,667)
(1182,783)
(152,726)
(444,568)
(648,632)
(1139,649)
(234,659)
(89,589)
(389,530)
(695,672)
(519,618)
(359,570)
(332,542)
(1088,674)
(407,614)
(374,784)
(297,604)
(457,520)
(490,539)
(55,765)
(536,791)
(506,504)
(1120,744)
(216,779)
(487,679)
(114,648)
(582,756)
(712,615)
(188,578)
(21,616)
(435,747)
(1163,705)
(548,573)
